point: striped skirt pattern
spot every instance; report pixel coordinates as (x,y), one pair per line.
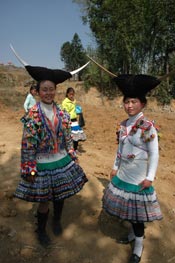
(135,206)
(77,132)
(54,181)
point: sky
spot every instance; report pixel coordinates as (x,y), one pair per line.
(38,28)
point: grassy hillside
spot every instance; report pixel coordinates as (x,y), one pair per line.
(15,83)
(11,78)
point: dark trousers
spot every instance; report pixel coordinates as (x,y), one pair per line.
(138,229)
(57,209)
(75,145)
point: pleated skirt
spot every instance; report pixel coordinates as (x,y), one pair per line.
(54,181)
(127,202)
(77,132)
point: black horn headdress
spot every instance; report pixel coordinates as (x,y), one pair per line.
(134,85)
(42,73)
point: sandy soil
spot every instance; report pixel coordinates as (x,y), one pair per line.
(89,234)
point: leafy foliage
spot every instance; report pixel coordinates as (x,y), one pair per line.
(134,36)
(73,54)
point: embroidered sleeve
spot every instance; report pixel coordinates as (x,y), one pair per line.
(66,123)
(147,134)
(29,144)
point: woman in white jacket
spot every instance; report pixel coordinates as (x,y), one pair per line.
(130,194)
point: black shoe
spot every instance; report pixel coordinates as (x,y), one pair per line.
(134,259)
(43,239)
(125,241)
(57,228)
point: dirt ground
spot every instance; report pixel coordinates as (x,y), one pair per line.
(89,234)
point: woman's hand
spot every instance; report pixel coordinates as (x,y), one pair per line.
(112,173)
(76,161)
(145,184)
(30,179)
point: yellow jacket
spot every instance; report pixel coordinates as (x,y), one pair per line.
(70,107)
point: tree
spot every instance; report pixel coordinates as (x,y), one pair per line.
(73,54)
(66,51)
(133,36)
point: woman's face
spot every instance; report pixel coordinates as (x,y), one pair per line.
(133,106)
(70,95)
(47,91)
(33,92)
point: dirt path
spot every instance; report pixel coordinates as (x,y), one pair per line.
(89,234)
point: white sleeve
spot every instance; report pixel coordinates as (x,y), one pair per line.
(117,159)
(116,163)
(153,155)
(26,103)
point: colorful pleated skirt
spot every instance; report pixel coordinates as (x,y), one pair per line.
(54,181)
(77,132)
(128,202)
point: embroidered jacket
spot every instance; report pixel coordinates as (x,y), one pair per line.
(40,137)
(137,152)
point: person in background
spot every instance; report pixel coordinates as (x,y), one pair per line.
(49,165)
(30,99)
(69,104)
(130,195)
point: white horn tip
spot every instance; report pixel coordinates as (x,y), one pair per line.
(79,69)
(18,57)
